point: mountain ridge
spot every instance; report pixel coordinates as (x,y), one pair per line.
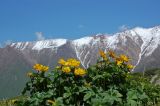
(147,40)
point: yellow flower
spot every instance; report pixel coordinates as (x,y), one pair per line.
(111,54)
(70,62)
(45,68)
(66,69)
(37,67)
(129,66)
(124,58)
(62,62)
(73,62)
(79,72)
(40,67)
(29,74)
(102,54)
(119,62)
(50,102)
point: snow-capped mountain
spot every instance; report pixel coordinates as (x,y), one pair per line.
(141,44)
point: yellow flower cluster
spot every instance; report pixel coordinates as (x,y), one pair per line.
(119,60)
(62,62)
(40,67)
(70,62)
(66,69)
(103,54)
(129,66)
(111,54)
(124,58)
(79,72)
(69,65)
(73,62)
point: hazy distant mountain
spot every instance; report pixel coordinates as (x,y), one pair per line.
(141,44)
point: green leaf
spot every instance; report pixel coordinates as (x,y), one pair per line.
(67,88)
(143,96)
(58,102)
(41,80)
(132,95)
(66,95)
(87,96)
(118,95)
(132,103)
(82,89)
(97,77)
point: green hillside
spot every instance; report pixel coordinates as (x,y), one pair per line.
(153,75)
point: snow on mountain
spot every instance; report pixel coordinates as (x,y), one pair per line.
(82,41)
(112,41)
(150,38)
(39,45)
(49,44)
(78,47)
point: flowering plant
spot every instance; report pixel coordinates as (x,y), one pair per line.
(107,83)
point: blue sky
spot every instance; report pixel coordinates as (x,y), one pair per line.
(24,20)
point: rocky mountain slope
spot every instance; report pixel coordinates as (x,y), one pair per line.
(141,44)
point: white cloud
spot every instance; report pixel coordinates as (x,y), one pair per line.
(40,36)
(123,28)
(7,42)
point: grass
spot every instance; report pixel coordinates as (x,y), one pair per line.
(10,102)
(6,103)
